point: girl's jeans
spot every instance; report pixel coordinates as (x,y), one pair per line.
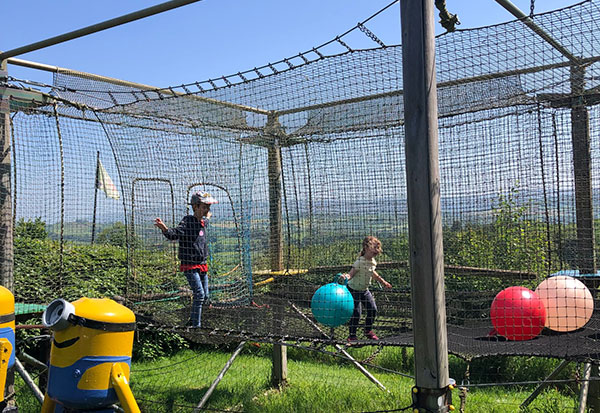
(199,284)
(362,298)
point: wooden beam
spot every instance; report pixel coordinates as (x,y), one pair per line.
(6,211)
(582,169)
(424,209)
(273,130)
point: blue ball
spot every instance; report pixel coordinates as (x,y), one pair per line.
(332,305)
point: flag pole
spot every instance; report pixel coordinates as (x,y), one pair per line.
(95,195)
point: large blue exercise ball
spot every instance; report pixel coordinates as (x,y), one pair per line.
(332,304)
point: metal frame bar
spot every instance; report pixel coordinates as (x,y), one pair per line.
(515,11)
(117,21)
(120,82)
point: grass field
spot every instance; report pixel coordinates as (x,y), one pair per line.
(317,382)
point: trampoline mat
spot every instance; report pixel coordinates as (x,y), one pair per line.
(470,342)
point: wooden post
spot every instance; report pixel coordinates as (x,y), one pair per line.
(6,214)
(274,132)
(279,370)
(584,210)
(431,392)
(6,218)
(274,165)
(582,162)
(585,385)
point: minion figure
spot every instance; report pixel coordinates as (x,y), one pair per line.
(90,357)
(7,335)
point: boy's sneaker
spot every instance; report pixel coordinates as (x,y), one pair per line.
(352,339)
(371,335)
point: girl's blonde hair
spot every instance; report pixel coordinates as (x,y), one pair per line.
(370,242)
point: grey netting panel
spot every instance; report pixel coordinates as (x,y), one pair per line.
(54,165)
(164,168)
(37,144)
(512,47)
(309,159)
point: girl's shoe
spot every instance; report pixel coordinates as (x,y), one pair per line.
(371,335)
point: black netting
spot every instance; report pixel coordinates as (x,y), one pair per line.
(309,160)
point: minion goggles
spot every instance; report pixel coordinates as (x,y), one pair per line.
(60,314)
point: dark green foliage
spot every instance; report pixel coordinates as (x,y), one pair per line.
(115,235)
(35,229)
(154,344)
(510,241)
(91,271)
(30,340)
(519,370)
(95,271)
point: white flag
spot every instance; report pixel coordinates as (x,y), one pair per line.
(104,183)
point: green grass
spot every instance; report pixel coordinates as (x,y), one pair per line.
(317,382)
(181,381)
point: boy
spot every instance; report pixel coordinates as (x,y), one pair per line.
(193,250)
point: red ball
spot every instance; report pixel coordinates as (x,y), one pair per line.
(518,313)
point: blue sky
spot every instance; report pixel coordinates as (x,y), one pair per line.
(209,38)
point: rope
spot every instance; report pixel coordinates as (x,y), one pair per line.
(448,20)
(465,389)
(125,217)
(463,398)
(62,195)
(15,175)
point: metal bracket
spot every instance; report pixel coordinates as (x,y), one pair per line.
(422,399)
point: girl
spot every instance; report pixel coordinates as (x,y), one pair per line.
(359,279)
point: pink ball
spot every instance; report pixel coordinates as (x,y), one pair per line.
(569,304)
(517,313)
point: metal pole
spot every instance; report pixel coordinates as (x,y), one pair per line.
(150,11)
(514,10)
(219,377)
(547,381)
(340,349)
(133,85)
(29,381)
(431,393)
(585,386)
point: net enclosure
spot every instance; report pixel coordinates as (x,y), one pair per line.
(306,158)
